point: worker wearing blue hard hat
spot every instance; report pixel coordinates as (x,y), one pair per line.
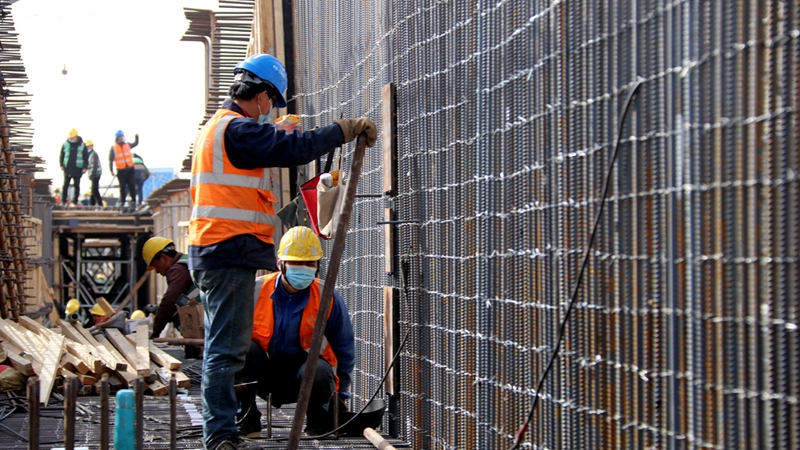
(120,158)
(233,220)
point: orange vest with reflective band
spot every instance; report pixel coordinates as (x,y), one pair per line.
(227,201)
(122,156)
(264,319)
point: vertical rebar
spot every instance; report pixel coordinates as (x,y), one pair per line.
(33,413)
(139,412)
(173,413)
(70,399)
(104,412)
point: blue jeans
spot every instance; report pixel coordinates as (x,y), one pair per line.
(141,177)
(228,299)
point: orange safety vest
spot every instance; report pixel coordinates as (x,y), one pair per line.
(122,156)
(227,201)
(264,319)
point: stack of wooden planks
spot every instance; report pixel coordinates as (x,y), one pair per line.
(71,351)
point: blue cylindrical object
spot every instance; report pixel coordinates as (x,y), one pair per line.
(124,432)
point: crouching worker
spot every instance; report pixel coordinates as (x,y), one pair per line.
(160,255)
(283,324)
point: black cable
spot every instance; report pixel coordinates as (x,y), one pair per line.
(576,288)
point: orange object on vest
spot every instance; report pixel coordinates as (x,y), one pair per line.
(122,156)
(228,201)
(264,320)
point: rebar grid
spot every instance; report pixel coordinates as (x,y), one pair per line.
(685,330)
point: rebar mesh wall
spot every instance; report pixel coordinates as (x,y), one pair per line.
(684,333)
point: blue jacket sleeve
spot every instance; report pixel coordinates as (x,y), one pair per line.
(251,145)
(339,331)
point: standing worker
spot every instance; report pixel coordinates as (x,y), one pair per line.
(160,255)
(95,170)
(141,175)
(233,221)
(285,316)
(121,158)
(73,160)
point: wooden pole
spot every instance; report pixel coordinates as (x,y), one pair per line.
(327,292)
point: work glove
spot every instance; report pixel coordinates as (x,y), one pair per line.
(351,128)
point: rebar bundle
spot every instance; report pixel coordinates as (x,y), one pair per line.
(15,144)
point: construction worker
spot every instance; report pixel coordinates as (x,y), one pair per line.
(233,221)
(121,158)
(160,255)
(95,170)
(98,314)
(285,314)
(73,159)
(141,174)
(73,306)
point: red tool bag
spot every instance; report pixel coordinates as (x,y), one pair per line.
(323,197)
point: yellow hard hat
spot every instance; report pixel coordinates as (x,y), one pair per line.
(97,310)
(73,133)
(153,246)
(300,244)
(138,314)
(101,276)
(73,305)
(89,143)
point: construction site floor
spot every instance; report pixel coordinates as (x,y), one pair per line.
(14,423)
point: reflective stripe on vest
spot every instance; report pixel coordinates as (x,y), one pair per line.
(228,201)
(264,318)
(122,156)
(78,156)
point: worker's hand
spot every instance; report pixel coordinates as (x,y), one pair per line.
(342,403)
(287,126)
(351,128)
(83,171)
(62,168)
(136,136)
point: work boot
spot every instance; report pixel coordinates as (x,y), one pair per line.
(249,429)
(235,443)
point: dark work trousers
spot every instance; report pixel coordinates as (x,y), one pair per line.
(282,378)
(96,199)
(65,188)
(127,184)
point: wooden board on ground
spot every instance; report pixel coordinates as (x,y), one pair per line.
(143,344)
(128,351)
(49,367)
(105,306)
(19,362)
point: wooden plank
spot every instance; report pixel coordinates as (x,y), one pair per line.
(34,326)
(143,344)
(12,337)
(75,333)
(121,364)
(23,364)
(157,388)
(87,380)
(159,356)
(181,378)
(49,367)
(105,306)
(47,292)
(67,374)
(72,363)
(128,351)
(388,335)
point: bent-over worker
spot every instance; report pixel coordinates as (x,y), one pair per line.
(160,255)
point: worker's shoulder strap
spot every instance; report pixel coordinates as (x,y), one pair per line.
(193,292)
(184,259)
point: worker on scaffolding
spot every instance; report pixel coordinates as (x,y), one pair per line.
(286,309)
(120,158)
(73,160)
(233,221)
(95,170)
(159,254)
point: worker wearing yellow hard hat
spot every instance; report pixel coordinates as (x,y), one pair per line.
(73,305)
(138,314)
(282,330)
(95,169)
(73,160)
(98,314)
(159,254)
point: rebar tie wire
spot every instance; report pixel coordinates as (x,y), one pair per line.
(562,326)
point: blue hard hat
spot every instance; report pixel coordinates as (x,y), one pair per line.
(118,134)
(267,68)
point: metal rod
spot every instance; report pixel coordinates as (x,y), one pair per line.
(104,438)
(327,293)
(33,413)
(70,398)
(269,415)
(173,414)
(139,413)
(180,341)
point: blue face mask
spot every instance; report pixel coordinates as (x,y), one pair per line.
(300,277)
(263,118)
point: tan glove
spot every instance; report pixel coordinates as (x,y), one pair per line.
(351,128)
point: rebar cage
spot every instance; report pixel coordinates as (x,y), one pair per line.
(684,331)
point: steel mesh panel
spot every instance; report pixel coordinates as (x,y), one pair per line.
(684,333)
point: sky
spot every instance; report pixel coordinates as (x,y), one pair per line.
(127,69)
